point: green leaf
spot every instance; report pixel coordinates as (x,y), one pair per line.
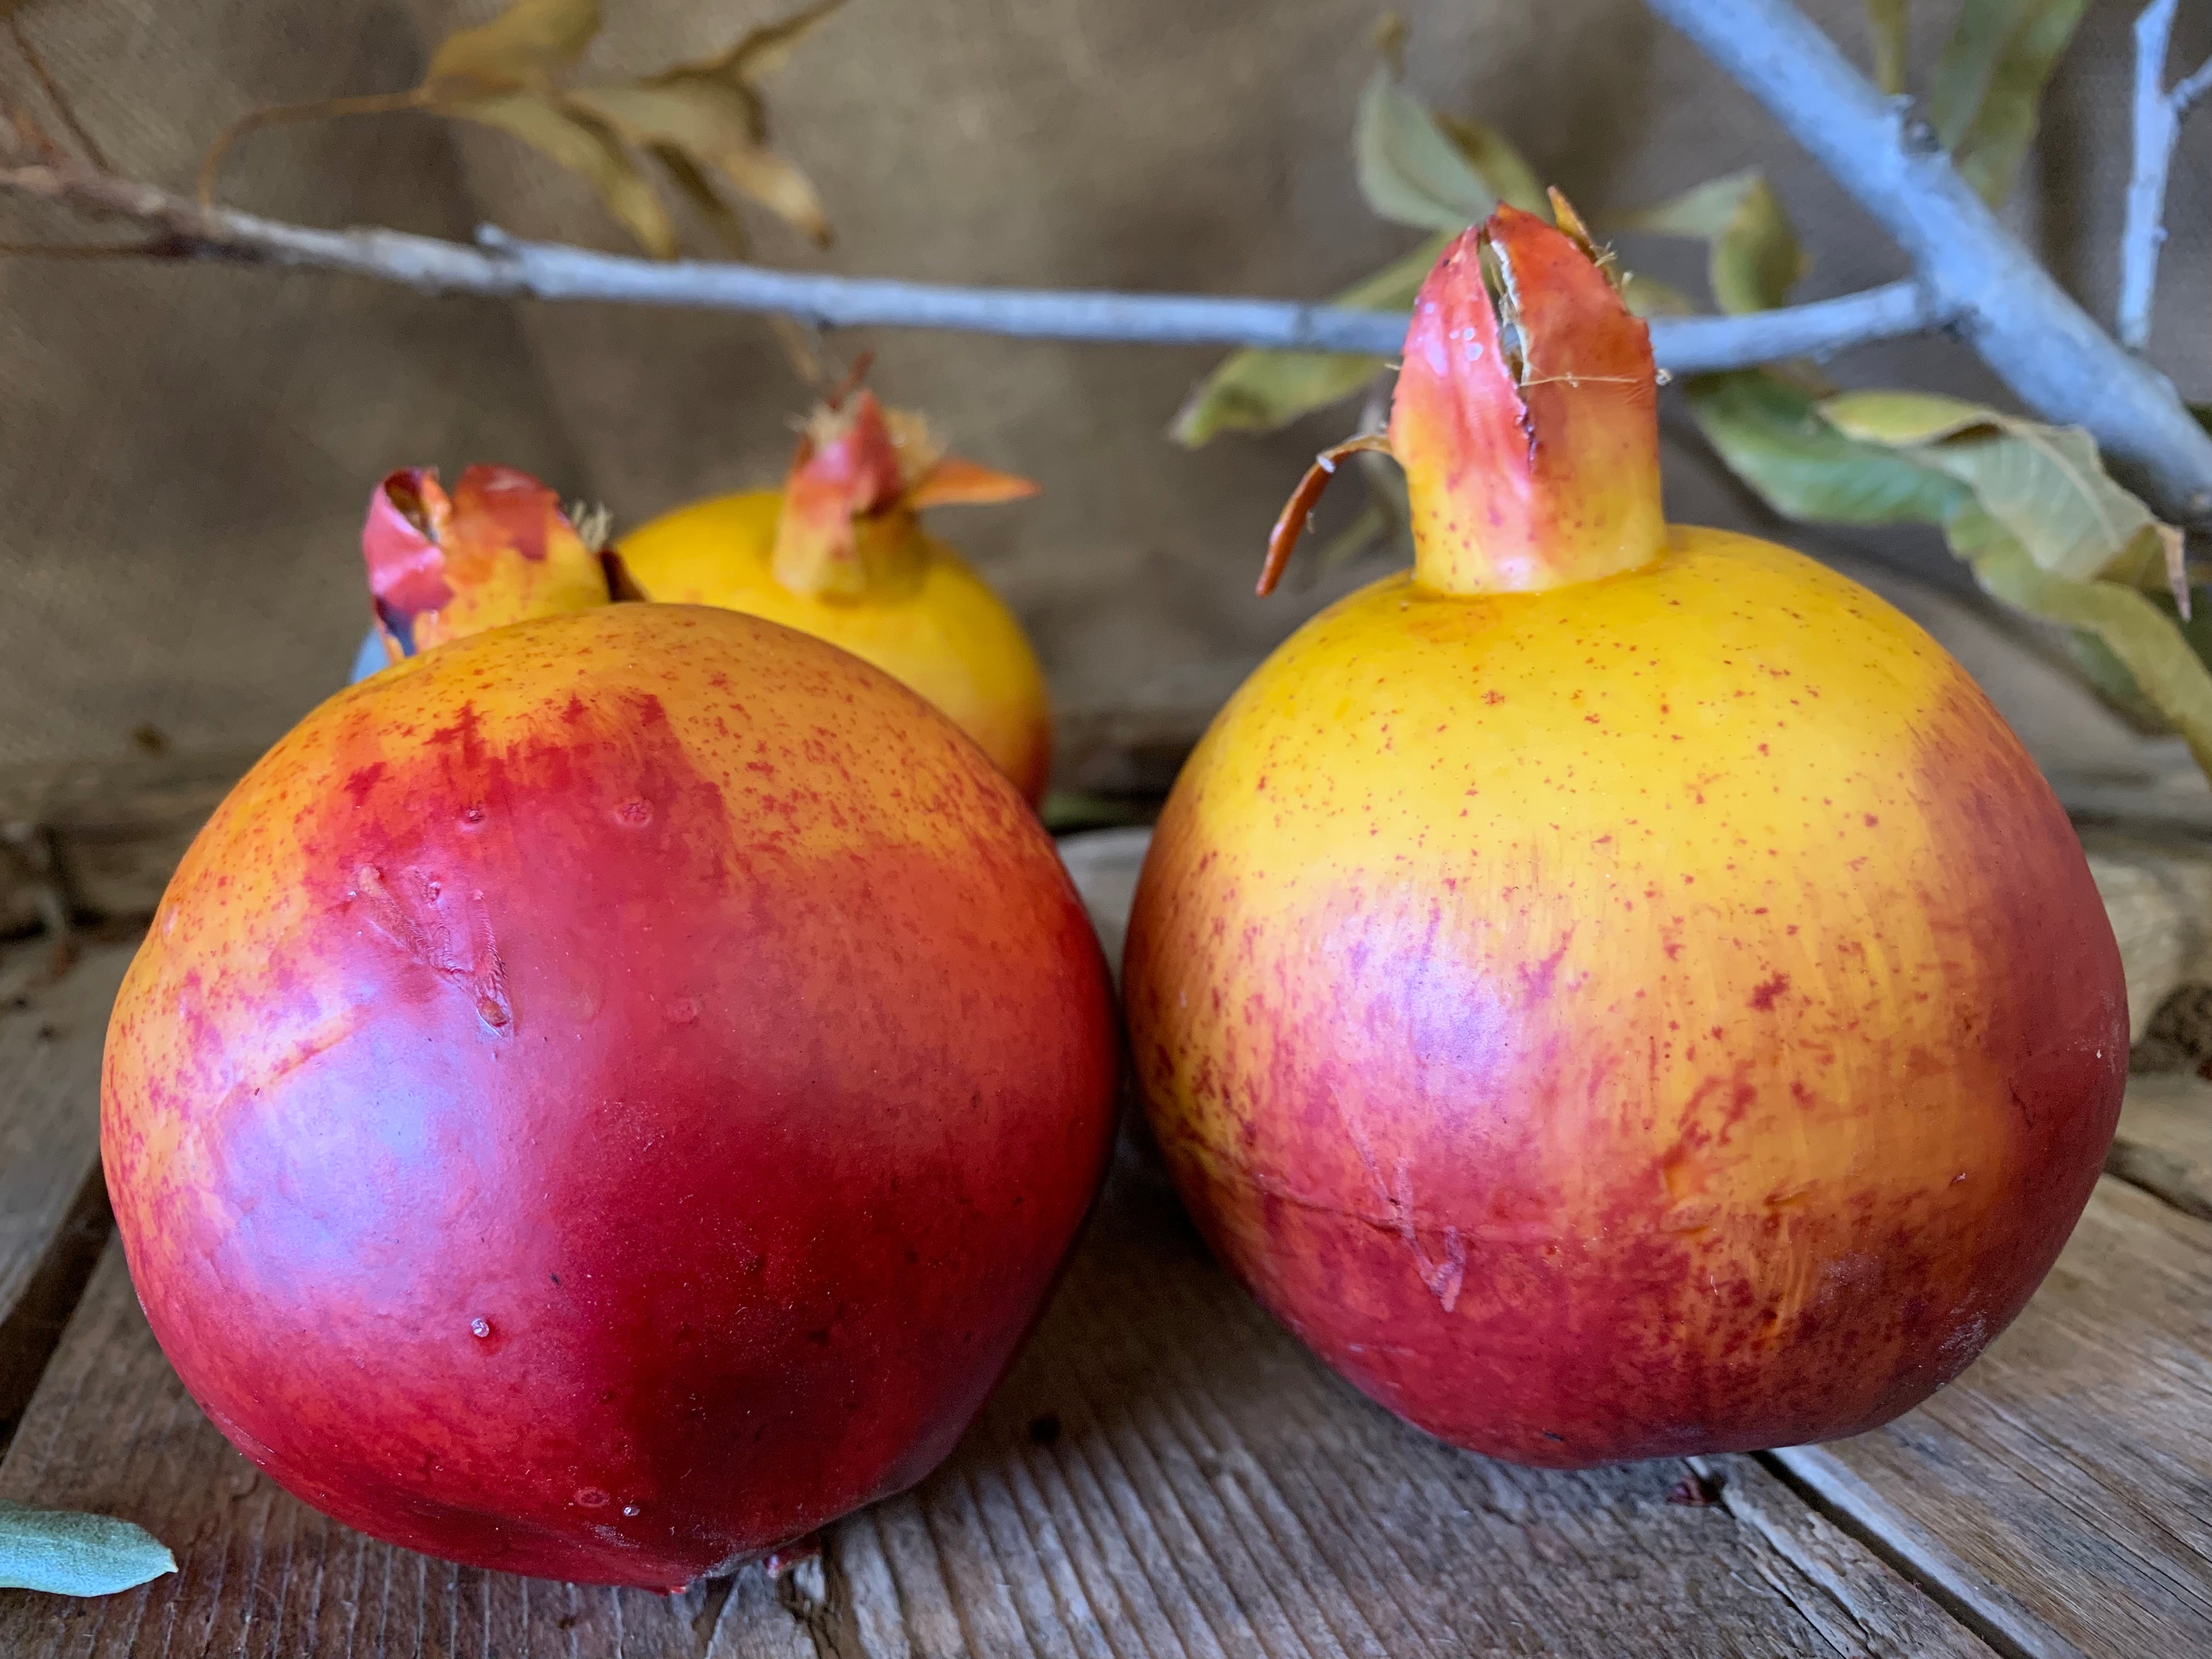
(2044,485)
(65,1553)
(2144,638)
(1987,83)
(1753,259)
(520,48)
(1504,171)
(1410,171)
(1261,390)
(1772,436)
(1886,23)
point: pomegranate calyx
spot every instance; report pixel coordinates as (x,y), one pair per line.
(860,473)
(498,550)
(1525,413)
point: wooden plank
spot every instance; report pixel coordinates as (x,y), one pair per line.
(1164,1472)
(53,1208)
(2165,1141)
(2060,1493)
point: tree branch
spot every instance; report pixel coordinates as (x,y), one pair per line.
(2042,344)
(504,267)
(2158,116)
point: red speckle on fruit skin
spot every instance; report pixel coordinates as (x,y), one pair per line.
(1513,1205)
(804,1083)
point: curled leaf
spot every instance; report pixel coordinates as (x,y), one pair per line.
(1774,437)
(65,1553)
(711,112)
(520,48)
(2044,485)
(1987,85)
(1753,258)
(578,141)
(1410,171)
(1261,390)
(2145,642)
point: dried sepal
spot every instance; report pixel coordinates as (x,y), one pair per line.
(1291,523)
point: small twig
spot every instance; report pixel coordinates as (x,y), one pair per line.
(503,266)
(55,96)
(2158,118)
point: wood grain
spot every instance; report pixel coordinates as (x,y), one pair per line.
(2061,1492)
(53,1208)
(1165,1472)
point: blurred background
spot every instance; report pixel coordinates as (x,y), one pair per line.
(185,451)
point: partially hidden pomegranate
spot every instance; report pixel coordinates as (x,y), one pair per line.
(1616,990)
(839,552)
(608,1094)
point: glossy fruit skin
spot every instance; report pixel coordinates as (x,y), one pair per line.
(1657,1015)
(608,1096)
(938,629)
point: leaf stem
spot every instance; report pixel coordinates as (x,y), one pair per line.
(322,109)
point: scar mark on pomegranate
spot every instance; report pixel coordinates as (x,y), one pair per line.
(1444,1276)
(413,918)
(1762,994)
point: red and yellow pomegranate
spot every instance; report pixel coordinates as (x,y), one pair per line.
(1616,990)
(607,1095)
(838,552)
(499,549)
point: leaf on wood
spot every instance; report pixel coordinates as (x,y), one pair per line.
(1885,25)
(1411,170)
(2044,485)
(520,48)
(1261,390)
(66,1553)
(1753,257)
(580,143)
(1772,436)
(1987,87)
(2142,637)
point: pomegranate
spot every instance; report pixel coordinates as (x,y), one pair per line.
(838,552)
(1616,990)
(605,1096)
(498,550)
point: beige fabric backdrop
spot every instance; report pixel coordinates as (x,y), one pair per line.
(185,453)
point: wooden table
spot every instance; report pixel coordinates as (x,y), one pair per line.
(1167,1473)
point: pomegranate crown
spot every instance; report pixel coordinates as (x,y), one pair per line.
(1526,418)
(859,464)
(498,550)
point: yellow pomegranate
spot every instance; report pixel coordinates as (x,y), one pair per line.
(838,553)
(1616,991)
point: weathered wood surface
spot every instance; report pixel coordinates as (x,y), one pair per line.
(52,1208)
(2165,1141)
(2062,1490)
(1165,1473)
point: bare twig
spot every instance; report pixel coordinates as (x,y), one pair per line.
(2027,328)
(2158,116)
(55,95)
(503,266)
